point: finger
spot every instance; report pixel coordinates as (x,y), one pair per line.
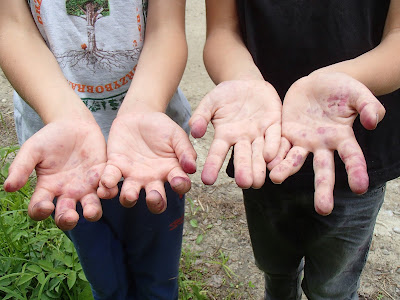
(272,142)
(243,166)
(324,169)
(22,167)
(258,163)
(284,148)
(201,117)
(66,216)
(91,205)
(129,193)
(41,204)
(156,199)
(184,151)
(371,114)
(215,158)
(111,176)
(179,181)
(106,193)
(290,165)
(356,167)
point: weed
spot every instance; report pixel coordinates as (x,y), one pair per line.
(223,259)
(191,284)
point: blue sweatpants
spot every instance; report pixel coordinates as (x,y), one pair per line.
(131,253)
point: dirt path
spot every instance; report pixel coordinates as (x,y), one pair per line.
(216,214)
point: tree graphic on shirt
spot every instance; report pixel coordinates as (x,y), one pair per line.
(91,12)
(89,56)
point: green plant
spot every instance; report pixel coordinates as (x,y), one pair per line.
(223,259)
(190,280)
(37,260)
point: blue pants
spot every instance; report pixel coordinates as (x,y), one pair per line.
(131,253)
(289,237)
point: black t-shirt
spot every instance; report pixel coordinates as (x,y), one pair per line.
(289,39)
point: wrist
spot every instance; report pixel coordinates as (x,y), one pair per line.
(66,109)
(130,106)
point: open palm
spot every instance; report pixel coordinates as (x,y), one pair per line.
(245,114)
(147,150)
(69,158)
(318,115)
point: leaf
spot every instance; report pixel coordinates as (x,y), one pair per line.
(35,269)
(86,293)
(194,223)
(42,287)
(199,239)
(25,278)
(5,281)
(41,278)
(11,292)
(82,276)
(45,265)
(54,283)
(71,279)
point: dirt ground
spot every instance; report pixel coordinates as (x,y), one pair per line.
(216,226)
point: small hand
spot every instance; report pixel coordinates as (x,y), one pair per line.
(318,115)
(147,150)
(69,158)
(247,115)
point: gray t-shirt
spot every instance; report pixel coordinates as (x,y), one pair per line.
(97,45)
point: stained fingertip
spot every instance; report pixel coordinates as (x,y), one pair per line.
(198,127)
(180,185)
(188,165)
(155,202)
(41,210)
(129,198)
(67,220)
(359,182)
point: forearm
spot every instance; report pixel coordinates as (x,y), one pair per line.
(162,61)
(227,58)
(378,69)
(32,69)
(225,54)
(158,73)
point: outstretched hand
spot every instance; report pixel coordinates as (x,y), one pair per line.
(318,115)
(245,114)
(147,150)
(69,158)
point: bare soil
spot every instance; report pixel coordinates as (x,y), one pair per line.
(216,228)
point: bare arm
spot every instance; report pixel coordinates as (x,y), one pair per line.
(68,154)
(145,146)
(225,55)
(238,105)
(378,69)
(32,69)
(163,58)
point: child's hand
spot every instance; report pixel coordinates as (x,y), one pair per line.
(69,158)
(147,150)
(318,115)
(246,115)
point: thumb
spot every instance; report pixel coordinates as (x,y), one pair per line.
(201,117)
(22,166)
(370,109)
